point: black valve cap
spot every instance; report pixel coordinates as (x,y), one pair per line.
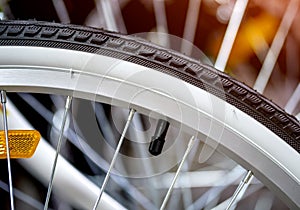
(158,139)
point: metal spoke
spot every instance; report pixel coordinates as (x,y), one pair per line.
(37,106)
(298,116)
(142,152)
(293,101)
(217,188)
(116,7)
(241,188)
(189,147)
(131,114)
(11,194)
(186,191)
(250,191)
(190,26)
(230,34)
(108,15)
(265,201)
(23,196)
(61,134)
(273,53)
(112,15)
(80,144)
(108,135)
(187,194)
(161,22)
(61,11)
(104,7)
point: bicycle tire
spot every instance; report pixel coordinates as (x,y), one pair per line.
(140,52)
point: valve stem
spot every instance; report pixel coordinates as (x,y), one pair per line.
(158,139)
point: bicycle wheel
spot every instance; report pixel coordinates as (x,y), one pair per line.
(125,71)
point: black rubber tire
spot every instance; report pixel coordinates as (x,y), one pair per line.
(136,50)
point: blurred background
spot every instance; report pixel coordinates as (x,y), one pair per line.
(268,40)
(202,22)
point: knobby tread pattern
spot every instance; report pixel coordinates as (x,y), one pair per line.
(136,50)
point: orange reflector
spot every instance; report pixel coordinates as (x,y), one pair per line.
(22,143)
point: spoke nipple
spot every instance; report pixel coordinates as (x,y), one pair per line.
(158,139)
(3,96)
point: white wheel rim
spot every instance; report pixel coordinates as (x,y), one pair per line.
(104,75)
